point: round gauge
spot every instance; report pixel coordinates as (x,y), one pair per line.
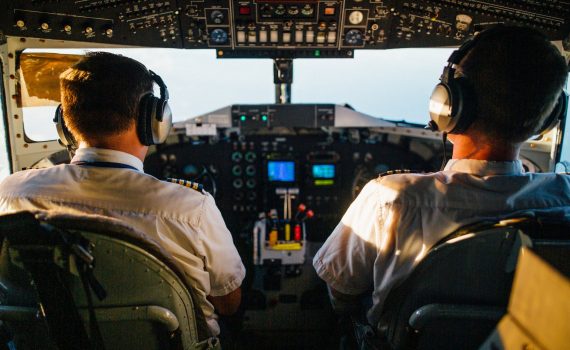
(219,36)
(353,37)
(355,17)
(217,16)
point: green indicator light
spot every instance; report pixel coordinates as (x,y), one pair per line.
(243,117)
(264,118)
(317,53)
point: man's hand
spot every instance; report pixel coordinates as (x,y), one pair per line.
(226,304)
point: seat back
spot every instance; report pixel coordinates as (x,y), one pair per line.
(149,302)
(459,291)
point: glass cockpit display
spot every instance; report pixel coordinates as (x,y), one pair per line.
(323,174)
(281,171)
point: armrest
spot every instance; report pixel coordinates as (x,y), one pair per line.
(150,313)
(431,312)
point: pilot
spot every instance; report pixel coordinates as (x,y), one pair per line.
(506,85)
(110,112)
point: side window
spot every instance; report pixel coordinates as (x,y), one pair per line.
(5,164)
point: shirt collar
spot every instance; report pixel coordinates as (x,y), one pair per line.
(485,167)
(93,154)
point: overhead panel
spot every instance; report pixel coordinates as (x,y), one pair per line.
(277,28)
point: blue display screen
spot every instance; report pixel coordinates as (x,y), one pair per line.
(281,171)
(323,171)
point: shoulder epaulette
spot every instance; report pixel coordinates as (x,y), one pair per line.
(186,183)
(403,171)
(397,171)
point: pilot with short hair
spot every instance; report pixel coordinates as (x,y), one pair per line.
(107,104)
(512,80)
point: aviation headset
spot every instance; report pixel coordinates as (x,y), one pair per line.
(452,105)
(153,122)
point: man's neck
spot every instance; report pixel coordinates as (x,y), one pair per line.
(468,147)
(127,142)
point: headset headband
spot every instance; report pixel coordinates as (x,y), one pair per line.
(158,80)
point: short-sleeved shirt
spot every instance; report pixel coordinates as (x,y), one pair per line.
(183,221)
(396,219)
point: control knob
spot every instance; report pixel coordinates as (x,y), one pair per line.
(217,16)
(354,37)
(280,10)
(219,36)
(355,17)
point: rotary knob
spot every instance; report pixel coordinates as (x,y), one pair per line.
(355,17)
(217,16)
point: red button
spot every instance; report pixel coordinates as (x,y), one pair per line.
(245,10)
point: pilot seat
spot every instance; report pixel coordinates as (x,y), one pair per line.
(90,282)
(457,294)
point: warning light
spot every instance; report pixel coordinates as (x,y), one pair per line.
(329,11)
(264,118)
(243,118)
(317,53)
(245,10)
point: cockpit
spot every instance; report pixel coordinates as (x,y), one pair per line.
(282,111)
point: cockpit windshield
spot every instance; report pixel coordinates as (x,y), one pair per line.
(391,84)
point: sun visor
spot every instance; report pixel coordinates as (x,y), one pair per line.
(39,77)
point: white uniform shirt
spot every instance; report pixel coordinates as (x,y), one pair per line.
(183,221)
(394,221)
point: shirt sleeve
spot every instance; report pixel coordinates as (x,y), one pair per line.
(346,260)
(222,260)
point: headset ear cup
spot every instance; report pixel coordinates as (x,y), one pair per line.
(146,112)
(463,105)
(162,123)
(440,108)
(558,114)
(155,116)
(66,139)
(157,120)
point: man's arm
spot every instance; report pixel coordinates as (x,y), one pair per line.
(228,304)
(343,303)
(222,261)
(346,260)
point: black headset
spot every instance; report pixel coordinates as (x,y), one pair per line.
(453,105)
(153,124)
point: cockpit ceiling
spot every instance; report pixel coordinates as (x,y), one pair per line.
(273,28)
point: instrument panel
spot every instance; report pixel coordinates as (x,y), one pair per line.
(326,169)
(276,28)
